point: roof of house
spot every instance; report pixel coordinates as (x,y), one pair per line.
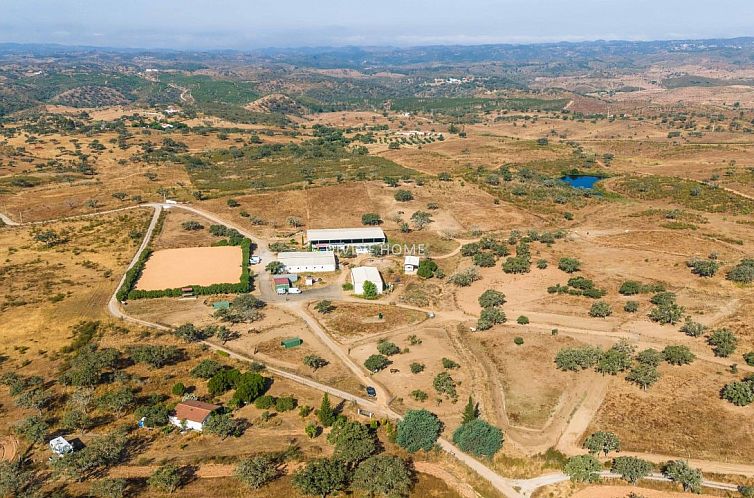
(194,411)
(364,273)
(345,233)
(281,281)
(307,258)
(411,260)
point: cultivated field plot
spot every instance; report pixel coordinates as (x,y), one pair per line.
(173,268)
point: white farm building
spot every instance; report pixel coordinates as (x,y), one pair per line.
(361,274)
(410,265)
(358,240)
(308,262)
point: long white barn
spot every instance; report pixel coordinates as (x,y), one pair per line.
(308,262)
(339,239)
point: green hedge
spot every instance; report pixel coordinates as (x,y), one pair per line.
(244,285)
(132,275)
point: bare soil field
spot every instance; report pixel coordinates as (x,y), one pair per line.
(173,268)
(531,394)
(623,491)
(173,235)
(681,423)
(350,322)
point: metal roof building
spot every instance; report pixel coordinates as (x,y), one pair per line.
(361,274)
(358,239)
(308,262)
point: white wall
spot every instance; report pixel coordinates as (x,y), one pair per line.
(194,426)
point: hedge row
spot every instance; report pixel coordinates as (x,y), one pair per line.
(244,285)
(133,275)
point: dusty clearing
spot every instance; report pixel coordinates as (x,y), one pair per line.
(173,268)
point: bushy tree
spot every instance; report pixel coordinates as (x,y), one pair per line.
(464,278)
(631,469)
(602,442)
(631,307)
(325,306)
(33,429)
(156,356)
(369,290)
(616,359)
(427,268)
(444,384)
(692,328)
(678,355)
(630,288)
(353,441)
(569,265)
(739,393)
(223,425)
(257,471)
(479,438)
(650,357)
(668,313)
(206,369)
(315,362)
(600,309)
(680,472)
(388,348)
(370,219)
(490,298)
(489,317)
(166,478)
(723,342)
(742,273)
(583,468)
(418,430)
(703,267)
(402,195)
(321,477)
(109,488)
(376,362)
(383,475)
(643,375)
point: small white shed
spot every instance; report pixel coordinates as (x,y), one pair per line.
(60,446)
(410,265)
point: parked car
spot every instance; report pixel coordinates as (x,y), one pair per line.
(371,392)
(255,260)
(294,290)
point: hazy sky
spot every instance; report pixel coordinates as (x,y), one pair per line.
(246,24)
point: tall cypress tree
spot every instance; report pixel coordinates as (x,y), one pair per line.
(326,414)
(470,411)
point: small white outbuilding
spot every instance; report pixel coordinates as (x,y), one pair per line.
(410,265)
(361,274)
(308,262)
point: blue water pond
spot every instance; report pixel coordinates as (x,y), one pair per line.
(581,181)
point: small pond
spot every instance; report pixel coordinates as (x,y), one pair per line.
(581,181)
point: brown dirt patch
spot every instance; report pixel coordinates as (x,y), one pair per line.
(172,268)
(684,413)
(354,320)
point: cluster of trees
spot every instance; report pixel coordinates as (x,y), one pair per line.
(666,310)
(485,252)
(476,436)
(248,385)
(586,468)
(190,333)
(491,302)
(569,265)
(521,262)
(632,287)
(641,367)
(233,236)
(578,286)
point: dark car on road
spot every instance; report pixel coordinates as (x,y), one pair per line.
(371,392)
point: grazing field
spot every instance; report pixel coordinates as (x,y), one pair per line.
(174,268)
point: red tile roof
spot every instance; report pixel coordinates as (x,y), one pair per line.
(194,411)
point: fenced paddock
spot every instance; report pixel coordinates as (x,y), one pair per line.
(175,268)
